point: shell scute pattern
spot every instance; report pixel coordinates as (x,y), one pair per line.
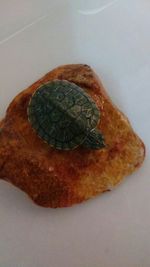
(62,114)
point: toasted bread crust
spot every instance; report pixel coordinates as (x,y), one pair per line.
(55,178)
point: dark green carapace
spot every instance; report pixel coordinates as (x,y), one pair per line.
(65,116)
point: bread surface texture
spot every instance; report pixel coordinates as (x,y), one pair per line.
(54,178)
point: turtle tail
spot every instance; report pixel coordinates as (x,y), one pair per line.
(94,140)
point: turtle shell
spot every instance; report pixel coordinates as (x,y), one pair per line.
(62,114)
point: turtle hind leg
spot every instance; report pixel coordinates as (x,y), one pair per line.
(94,140)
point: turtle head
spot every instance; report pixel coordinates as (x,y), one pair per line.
(94,140)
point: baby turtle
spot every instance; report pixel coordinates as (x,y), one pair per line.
(65,116)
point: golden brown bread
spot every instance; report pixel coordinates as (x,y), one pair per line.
(55,178)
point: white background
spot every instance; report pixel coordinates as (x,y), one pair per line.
(112,230)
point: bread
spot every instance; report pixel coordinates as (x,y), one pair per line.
(55,178)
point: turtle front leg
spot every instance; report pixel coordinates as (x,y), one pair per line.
(94,140)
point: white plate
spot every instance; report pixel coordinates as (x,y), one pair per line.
(112,230)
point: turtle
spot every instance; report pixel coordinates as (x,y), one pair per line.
(65,116)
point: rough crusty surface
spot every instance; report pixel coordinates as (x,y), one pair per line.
(55,178)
